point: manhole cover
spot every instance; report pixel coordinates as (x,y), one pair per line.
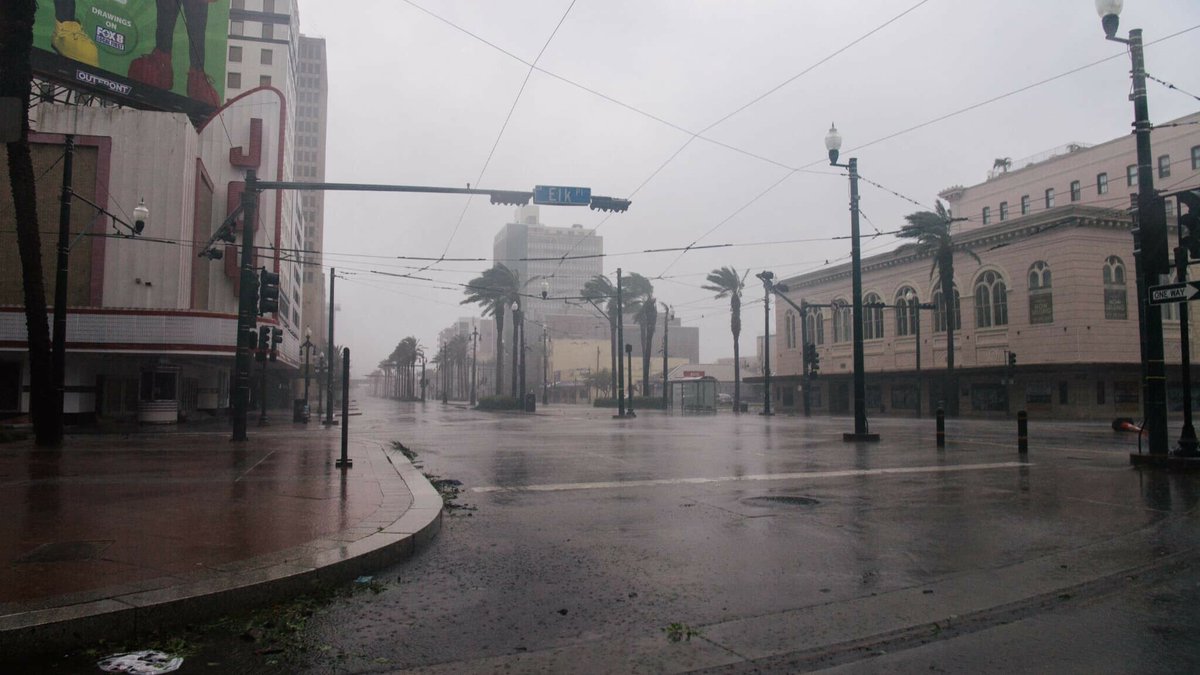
(777,500)
(66,551)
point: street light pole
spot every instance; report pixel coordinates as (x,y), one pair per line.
(833,142)
(766,278)
(545,367)
(329,349)
(620,341)
(629,357)
(308,345)
(666,331)
(474,353)
(1150,238)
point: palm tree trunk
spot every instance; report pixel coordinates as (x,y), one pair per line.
(515,358)
(16,41)
(499,351)
(949,385)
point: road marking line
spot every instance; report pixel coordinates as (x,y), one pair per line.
(247,471)
(559,487)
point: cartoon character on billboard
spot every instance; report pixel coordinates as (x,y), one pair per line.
(68,37)
(155,68)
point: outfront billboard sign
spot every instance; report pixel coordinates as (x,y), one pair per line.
(154,54)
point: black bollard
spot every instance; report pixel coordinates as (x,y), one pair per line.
(345,462)
(941,428)
(1022,432)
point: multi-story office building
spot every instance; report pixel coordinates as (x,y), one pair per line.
(563,258)
(312,103)
(1054,285)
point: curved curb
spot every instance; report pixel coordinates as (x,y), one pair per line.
(397,531)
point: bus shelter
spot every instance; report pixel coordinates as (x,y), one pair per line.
(693,395)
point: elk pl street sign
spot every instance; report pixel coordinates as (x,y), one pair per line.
(1168,293)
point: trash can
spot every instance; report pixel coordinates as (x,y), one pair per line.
(530,402)
(300,410)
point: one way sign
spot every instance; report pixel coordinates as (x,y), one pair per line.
(1168,293)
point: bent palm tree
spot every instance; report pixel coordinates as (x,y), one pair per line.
(726,283)
(647,320)
(930,232)
(494,290)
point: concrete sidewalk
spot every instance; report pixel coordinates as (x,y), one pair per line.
(119,534)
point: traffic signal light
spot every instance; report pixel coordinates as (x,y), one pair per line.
(264,343)
(609,204)
(1012,363)
(268,292)
(276,339)
(1189,223)
(511,197)
(813,359)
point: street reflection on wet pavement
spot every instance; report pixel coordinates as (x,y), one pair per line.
(778,547)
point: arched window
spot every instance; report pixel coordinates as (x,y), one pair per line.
(1114,289)
(815,326)
(843,327)
(789,329)
(1041,297)
(939,310)
(991,301)
(872,317)
(906,311)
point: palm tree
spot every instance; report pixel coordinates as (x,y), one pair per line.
(599,290)
(647,320)
(494,290)
(16,44)
(726,283)
(930,232)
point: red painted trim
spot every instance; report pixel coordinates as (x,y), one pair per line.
(279,157)
(129,347)
(100,191)
(129,311)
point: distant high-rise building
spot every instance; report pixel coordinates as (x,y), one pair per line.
(312,102)
(562,257)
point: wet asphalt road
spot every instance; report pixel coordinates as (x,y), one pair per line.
(782,547)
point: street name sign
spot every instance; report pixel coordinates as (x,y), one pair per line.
(1169,293)
(557,195)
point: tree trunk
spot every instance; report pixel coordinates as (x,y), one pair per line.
(949,385)
(499,351)
(516,361)
(16,41)
(735,324)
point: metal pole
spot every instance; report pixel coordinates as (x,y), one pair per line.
(423,381)
(766,347)
(620,342)
(545,366)
(1187,436)
(521,390)
(666,332)
(262,394)
(941,428)
(307,355)
(329,350)
(474,355)
(804,365)
(1151,222)
(629,357)
(860,387)
(1022,432)
(59,360)
(246,309)
(917,324)
(444,372)
(345,462)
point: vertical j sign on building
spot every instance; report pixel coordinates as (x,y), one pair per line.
(150,54)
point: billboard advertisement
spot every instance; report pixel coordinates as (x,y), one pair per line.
(154,54)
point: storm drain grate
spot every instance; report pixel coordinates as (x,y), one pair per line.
(776,500)
(66,551)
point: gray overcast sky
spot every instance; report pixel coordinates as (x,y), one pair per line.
(414,100)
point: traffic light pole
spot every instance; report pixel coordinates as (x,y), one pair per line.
(620,341)
(1187,436)
(262,396)
(246,310)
